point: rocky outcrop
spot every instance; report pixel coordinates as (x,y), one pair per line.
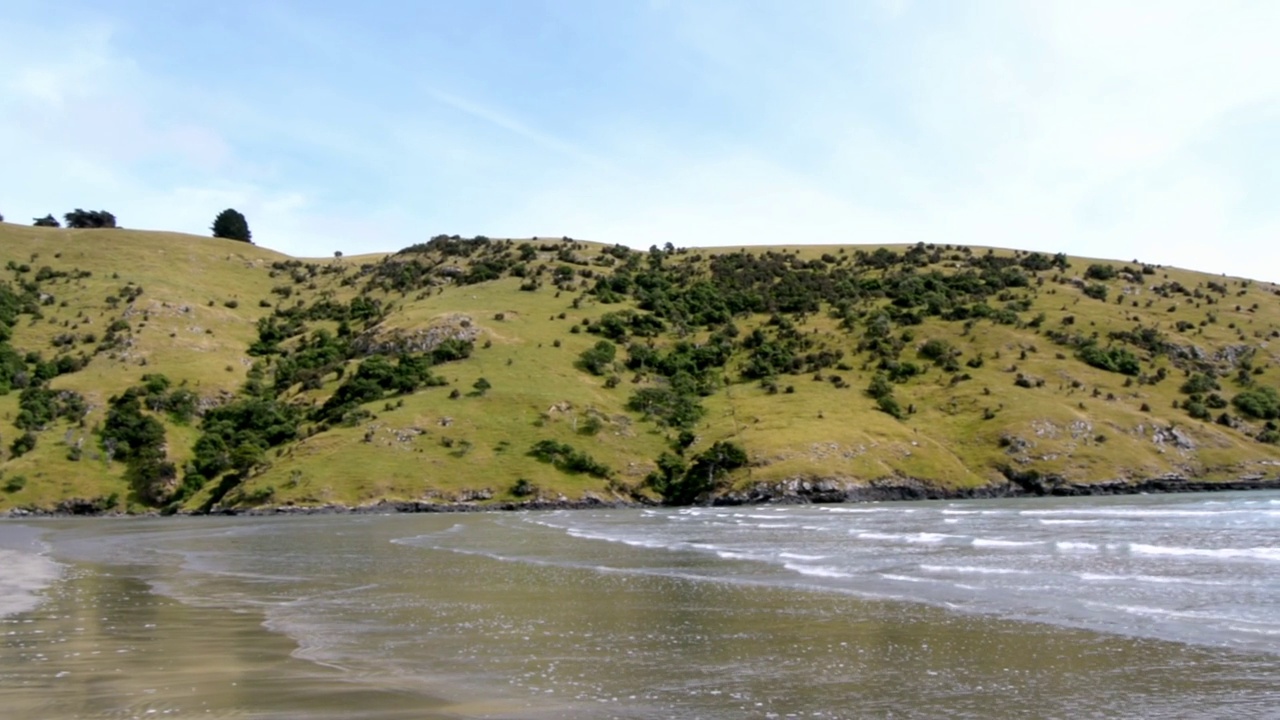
(395,341)
(795,491)
(1019,484)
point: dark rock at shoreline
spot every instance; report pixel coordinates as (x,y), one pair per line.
(1019,485)
(789,492)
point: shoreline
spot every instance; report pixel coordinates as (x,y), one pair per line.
(789,492)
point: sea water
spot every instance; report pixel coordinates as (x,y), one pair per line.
(1138,606)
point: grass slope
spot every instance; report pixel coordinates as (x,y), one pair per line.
(201,300)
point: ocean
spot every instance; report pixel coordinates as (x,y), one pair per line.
(1133,606)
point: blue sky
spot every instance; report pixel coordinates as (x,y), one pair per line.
(1146,130)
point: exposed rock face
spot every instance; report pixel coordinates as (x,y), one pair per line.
(793,491)
(1232,354)
(826,490)
(1172,436)
(1228,358)
(378,341)
(1020,484)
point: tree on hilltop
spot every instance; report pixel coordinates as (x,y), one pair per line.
(230,224)
(89,219)
(47,221)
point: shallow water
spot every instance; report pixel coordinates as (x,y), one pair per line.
(1149,606)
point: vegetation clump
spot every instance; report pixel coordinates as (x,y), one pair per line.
(232,225)
(89,219)
(567,458)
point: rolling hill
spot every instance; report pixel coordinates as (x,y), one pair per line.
(156,371)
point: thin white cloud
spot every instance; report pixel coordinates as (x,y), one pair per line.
(512,125)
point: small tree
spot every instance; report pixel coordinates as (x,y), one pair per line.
(597,360)
(47,221)
(231,224)
(25,443)
(89,219)
(481,386)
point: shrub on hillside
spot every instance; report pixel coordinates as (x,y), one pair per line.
(597,359)
(89,219)
(1097,291)
(1100,272)
(232,225)
(1199,383)
(46,221)
(889,405)
(1260,403)
(565,457)
(681,485)
(667,405)
(25,443)
(936,350)
(1113,359)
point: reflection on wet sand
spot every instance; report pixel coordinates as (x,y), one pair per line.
(104,645)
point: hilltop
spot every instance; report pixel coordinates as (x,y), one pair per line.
(148,370)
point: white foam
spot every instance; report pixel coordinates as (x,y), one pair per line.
(973,570)
(817,571)
(928,538)
(799,556)
(730,555)
(1132,512)
(24,575)
(1164,612)
(1075,545)
(903,578)
(633,542)
(991,542)
(1066,521)
(1156,579)
(1254,553)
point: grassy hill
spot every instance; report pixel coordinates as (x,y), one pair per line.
(155,370)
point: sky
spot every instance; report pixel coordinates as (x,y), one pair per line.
(1130,130)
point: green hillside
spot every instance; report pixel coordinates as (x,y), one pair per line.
(147,370)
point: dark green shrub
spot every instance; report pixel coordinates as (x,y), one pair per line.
(231,224)
(1199,383)
(1196,409)
(1100,272)
(1114,359)
(598,358)
(936,350)
(1260,403)
(667,406)
(89,219)
(887,404)
(681,485)
(568,459)
(25,443)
